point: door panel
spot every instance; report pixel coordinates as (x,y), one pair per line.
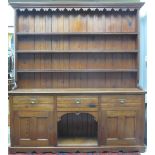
(116,127)
(34,128)
(120,127)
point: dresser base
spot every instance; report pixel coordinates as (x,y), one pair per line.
(100,149)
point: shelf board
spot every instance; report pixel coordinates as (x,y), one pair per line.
(78,141)
(78,91)
(74,70)
(76,33)
(77,51)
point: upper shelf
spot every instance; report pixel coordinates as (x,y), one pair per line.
(76,33)
(73,70)
(77,51)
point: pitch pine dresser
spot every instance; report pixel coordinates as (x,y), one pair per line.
(77,76)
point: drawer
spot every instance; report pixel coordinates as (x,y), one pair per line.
(33,107)
(122,99)
(33,99)
(77,103)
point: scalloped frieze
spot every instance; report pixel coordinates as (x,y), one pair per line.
(77,9)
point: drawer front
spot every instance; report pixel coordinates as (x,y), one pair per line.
(33,100)
(33,107)
(77,103)
(122,99)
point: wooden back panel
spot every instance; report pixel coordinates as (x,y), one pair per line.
(105,21)
(114,49)
(77,80)
(77,61)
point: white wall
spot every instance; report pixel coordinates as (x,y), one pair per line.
(143,47)
(150,8)
(4,77)
(10,16)
(10,19)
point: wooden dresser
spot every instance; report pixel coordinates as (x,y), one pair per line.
(77,75)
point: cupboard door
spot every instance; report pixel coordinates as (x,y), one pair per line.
(33,128)
(121,127)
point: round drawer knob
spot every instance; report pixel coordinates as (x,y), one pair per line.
(122,101)
(32,102)
(77,101)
